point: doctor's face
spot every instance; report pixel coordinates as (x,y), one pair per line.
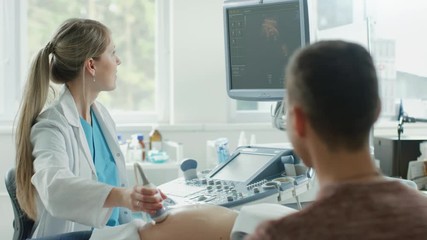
(106,69)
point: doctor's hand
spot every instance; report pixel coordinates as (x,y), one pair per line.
(146,199)
(138,198)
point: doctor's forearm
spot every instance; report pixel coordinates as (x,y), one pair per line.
(118,197)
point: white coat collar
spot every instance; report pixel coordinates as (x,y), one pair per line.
(73,117)
(70,112)
(69,107)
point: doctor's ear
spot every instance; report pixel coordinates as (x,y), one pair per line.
(89,66)
(299,120)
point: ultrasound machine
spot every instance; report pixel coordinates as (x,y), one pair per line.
(260,37)
(250,175)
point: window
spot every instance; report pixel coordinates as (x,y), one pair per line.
(397,40)
(136,30)
(250,111)
(393,32)
(10,60)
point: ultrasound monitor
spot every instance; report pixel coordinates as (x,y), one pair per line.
(242,167)
(260,37)
(250,164)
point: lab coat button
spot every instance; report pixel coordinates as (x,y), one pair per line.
(117,154)
(122,185)
(125,212)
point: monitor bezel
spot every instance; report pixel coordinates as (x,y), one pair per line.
(274,153)
(270,156)
(260,94)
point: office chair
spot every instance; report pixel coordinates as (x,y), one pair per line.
(22,224)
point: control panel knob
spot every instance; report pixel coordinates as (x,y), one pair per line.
(189,168)
(230,198)
(211,182)
(204,181)
(256,190)
(202,198)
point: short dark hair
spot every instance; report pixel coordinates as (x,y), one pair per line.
(336,84)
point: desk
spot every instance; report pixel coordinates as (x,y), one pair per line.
(392,163)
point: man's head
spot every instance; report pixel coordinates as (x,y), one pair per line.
(333,86)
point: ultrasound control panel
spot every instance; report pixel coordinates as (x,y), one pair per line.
(250,174)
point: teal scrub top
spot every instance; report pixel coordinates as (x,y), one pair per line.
(103,160)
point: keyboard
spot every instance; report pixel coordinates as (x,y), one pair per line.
(178,188)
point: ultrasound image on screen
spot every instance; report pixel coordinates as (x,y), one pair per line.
(261,41)
(242,167)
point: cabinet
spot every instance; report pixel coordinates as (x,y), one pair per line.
(394,155)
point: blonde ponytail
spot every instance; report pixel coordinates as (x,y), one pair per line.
(34,99)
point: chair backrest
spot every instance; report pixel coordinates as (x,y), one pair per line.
(22,225)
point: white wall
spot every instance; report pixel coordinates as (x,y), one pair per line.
(198,62)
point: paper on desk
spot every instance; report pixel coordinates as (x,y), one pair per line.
(417,169)
(252,215)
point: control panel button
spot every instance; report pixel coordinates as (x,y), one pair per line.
(202,198)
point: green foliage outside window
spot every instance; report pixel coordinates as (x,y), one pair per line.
(132,23)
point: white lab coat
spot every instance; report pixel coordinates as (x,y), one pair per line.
(69,197)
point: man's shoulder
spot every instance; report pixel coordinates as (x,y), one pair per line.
(294,226)
(353,210)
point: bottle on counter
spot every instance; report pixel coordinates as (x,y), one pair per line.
(141,143)
(123,147)
(137,148)
(155,140)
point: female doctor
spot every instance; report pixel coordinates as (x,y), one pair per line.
(70,172)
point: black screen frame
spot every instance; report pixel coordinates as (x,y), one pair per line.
(261,94)
(265,159)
